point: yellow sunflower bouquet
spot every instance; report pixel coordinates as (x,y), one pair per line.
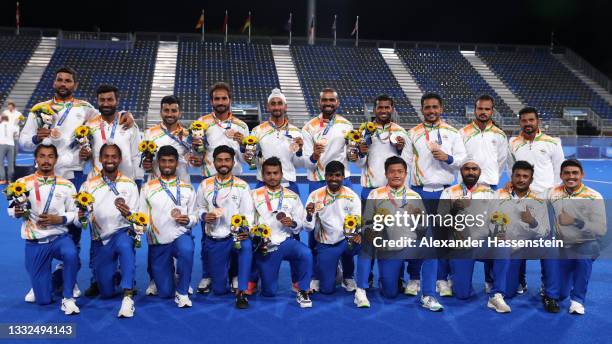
(45,115)
(352,224)
(250,150)
(197,130)
(238,224)
(17,197)
(84,201)
(82,137)
(501,221)
(261,238)
(353,139)
(147,150)
(139,222)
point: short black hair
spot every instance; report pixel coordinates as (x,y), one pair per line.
(167,150)
(41,146)
(171,99)
(431,95)
(484,97)
(527,110)
(224,149)
(394,160)
(272,161)
(110,145)
(572,162)
(105,88)
(333,167)
(522,165)
(220,86)
(382,98)
(67,70)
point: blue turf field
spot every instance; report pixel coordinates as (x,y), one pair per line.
(332,319)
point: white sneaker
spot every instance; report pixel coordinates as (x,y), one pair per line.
(190,291)
(127,308)
(182,300)
(488,287)
(69,306)
(314,285)
(361,298)
(30,297)
(303,299)
(151,289)
(521,289)
(431,303)
(576,308)
(443,288)
(204,286)
(498,303)
(413,287)
(349,284)
(234,286)
(76,292)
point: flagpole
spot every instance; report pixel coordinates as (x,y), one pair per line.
(290,24)
(226,20)
(203,38)
(335,30)
(357,33)
(17,17)
(250,23)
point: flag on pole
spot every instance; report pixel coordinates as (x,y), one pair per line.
(356,28)
(247,23)
(200,23)
(334,28)
(225,23)
(17,17)
(288,26)
(289,22)
(311,31)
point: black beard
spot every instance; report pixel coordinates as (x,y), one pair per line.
(107,112)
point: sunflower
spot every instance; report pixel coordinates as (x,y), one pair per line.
(371,127)
(245,223)
(265,231)
(142,146)
(505,220)
(81,131)
(355,136)
(17,189)
(142,219)
(21,118)
(350,222)
(495,217)
(255,231)
(236,221)
(250,140)
(198,125)
(83,199)
(151,147)
(362,126)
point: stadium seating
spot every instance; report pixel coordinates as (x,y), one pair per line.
(358,74)
(449,74)
(15,51)
(130,70)
(248,68)
(540,80)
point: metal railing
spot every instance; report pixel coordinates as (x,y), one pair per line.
(587,69)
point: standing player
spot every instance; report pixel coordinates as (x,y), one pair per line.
(111,241)
(219,198)
(45,231)
(278,138)
(544,152)
(170,205)
(435,152)
(580,222)
(223,128)
(281,209)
